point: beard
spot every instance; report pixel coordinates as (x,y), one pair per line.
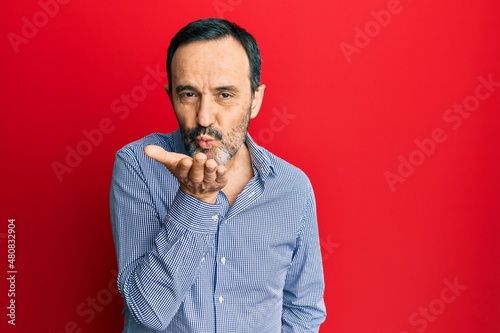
(225,145)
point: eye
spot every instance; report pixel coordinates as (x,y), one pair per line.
(225,95)
(187,95)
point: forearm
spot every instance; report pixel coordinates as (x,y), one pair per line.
(303,304)
(158,260)
(154,286)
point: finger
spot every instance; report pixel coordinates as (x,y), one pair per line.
(222,177)
(210,170)
(181,169)
(197,171)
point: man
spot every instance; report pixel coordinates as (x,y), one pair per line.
(212,232)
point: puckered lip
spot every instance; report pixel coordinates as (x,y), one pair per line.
(205,138)
(205,141)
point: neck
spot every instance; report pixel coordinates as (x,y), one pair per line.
(240,172)
(240,161)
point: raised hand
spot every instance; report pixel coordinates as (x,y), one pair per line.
(199,176)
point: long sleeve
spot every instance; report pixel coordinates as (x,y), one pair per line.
(187,266)
(158,258)
(303,304)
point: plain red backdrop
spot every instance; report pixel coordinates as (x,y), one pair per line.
(352,86)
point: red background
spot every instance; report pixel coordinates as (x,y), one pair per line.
(388,252)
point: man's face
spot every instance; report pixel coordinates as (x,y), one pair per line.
(211,97)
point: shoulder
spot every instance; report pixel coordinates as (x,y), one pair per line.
(131,157)
(288,187)
(284,172)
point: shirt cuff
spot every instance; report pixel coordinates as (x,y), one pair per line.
(193,214)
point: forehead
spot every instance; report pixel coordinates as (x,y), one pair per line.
(223,59)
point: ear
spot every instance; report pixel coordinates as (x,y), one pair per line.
(167,89)
(257,100)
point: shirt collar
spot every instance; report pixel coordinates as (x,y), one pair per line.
(178,143)
(260,157)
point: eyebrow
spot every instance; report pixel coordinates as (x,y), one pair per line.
(184,87)
(226,88)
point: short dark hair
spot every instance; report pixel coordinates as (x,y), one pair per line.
(216,29)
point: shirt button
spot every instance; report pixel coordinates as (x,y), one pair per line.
(223,260)
(215,217)
(202,259)
(221,299)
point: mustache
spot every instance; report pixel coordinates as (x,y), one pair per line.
(193,133)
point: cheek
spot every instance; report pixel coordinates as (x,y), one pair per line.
(238,130)
(184,119)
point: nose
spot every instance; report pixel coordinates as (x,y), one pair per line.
(206,112)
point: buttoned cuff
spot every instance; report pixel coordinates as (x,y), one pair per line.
(193,214)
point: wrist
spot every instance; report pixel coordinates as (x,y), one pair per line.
(210,198)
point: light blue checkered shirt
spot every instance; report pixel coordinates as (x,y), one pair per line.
(186,266)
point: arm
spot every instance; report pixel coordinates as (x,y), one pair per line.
(303,305)
(158,261)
